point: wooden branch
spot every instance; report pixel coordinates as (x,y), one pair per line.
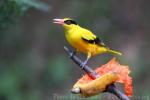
(111,88)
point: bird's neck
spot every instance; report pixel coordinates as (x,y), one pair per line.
(71,29)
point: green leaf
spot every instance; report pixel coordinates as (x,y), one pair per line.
(33,3)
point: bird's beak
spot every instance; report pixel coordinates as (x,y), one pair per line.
(58,21)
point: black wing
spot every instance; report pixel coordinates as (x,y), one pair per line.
(94,41)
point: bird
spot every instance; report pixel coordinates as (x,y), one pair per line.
(83,40)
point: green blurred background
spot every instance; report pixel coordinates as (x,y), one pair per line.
(33,63)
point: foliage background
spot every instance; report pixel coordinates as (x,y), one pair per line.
(33,64)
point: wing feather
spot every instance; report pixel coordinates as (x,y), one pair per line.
(92,39)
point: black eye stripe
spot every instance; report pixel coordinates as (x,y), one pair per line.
(70,22)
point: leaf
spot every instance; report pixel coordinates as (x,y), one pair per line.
(109,73)
(25,4)
(122,72)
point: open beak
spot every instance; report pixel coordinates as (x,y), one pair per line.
(58,21)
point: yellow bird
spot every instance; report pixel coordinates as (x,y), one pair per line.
(83,40)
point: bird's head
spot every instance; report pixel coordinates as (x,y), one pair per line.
(67,23)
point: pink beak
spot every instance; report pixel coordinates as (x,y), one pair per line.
(58,21)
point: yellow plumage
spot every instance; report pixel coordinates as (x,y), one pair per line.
(83,40)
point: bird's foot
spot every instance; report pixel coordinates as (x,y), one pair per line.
(72,54)
(82,65)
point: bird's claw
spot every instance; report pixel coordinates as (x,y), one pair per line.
(82,65)
(72,54)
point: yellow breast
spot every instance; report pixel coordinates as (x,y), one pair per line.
(74,38)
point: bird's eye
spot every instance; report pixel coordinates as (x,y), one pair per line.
(68,22)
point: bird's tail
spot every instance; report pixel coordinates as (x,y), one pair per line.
(115,52)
